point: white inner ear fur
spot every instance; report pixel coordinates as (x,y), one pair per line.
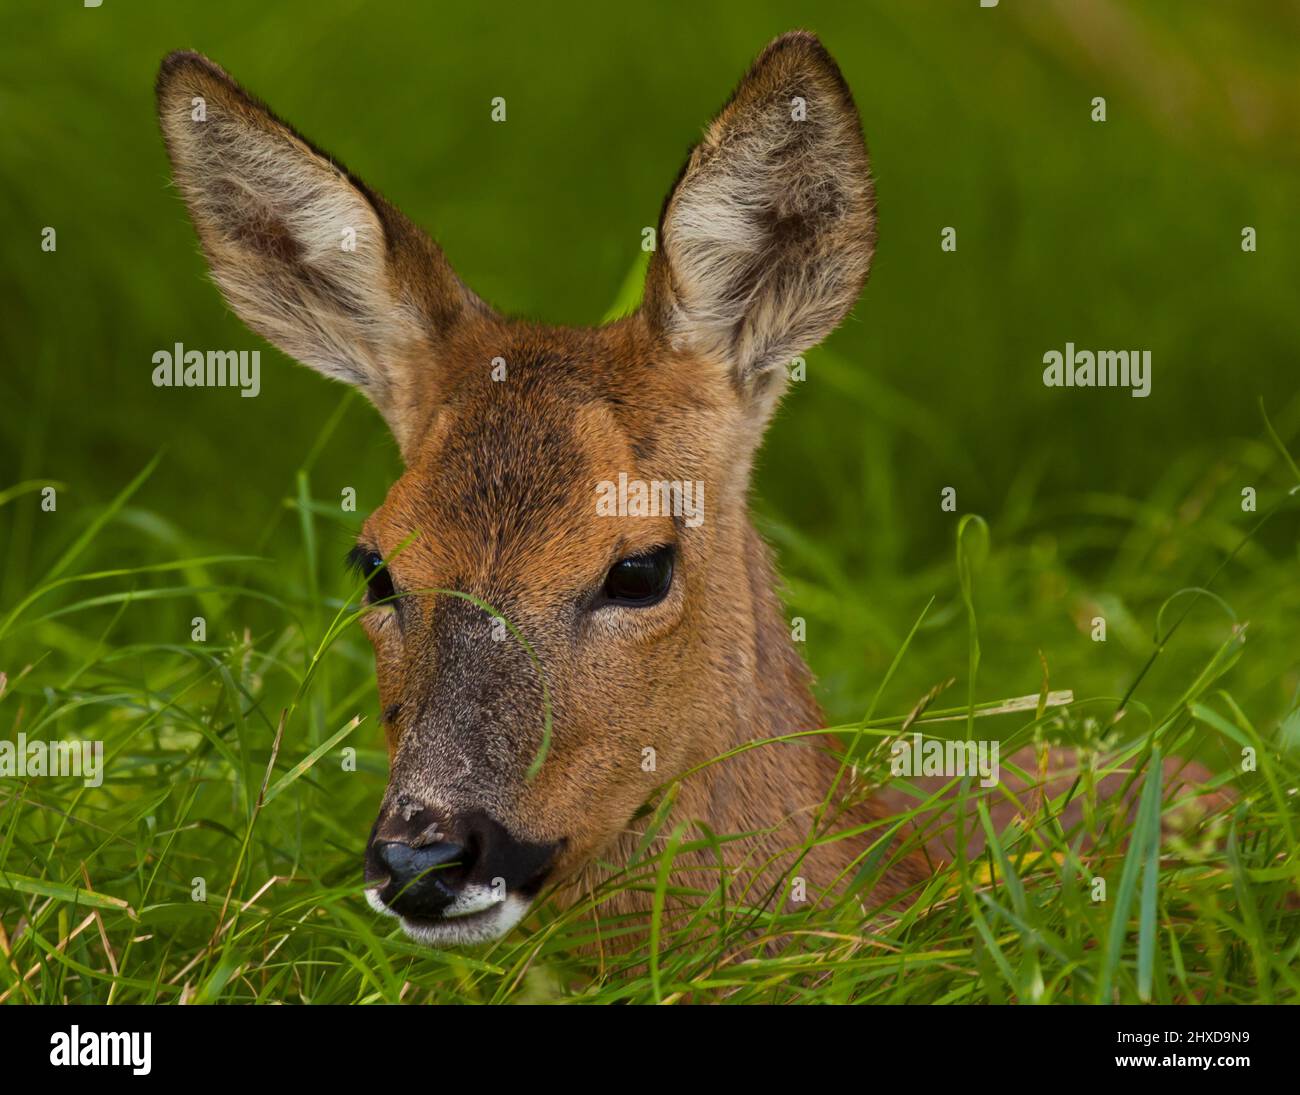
(768,236)
(297,250)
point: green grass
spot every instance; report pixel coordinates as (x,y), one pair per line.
(225,761)
(1117,234)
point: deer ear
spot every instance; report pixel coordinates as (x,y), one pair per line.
(766,240)
(305,253)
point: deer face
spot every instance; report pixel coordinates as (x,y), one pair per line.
(560,582)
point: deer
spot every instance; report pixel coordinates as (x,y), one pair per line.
(631,634)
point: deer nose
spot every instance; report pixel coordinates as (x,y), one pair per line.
(430,872)
(422,881)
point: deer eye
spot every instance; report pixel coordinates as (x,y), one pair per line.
(640,580)
(379,583)
(370,565)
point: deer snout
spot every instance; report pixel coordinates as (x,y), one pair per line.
(421,882)
(449,874)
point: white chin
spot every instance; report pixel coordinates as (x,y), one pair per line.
(372,899)
(467,921)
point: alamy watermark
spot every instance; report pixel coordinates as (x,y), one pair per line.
(653,498)
(182,368)
(23,759)
(129,1049)
(916,755)
(1103,369)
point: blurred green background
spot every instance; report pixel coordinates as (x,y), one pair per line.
(1111,235)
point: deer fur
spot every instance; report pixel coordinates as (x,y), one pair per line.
(764,245)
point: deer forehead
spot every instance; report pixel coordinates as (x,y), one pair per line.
(501,491)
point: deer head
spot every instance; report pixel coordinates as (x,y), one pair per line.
(564,580)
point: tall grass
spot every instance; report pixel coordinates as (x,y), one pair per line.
(228,759)
(220,859)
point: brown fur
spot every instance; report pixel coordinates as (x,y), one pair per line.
(765,244)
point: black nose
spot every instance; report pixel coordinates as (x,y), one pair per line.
(420,878)
(421,881)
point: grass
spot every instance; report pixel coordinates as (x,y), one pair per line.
(228,758)
(219,860)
